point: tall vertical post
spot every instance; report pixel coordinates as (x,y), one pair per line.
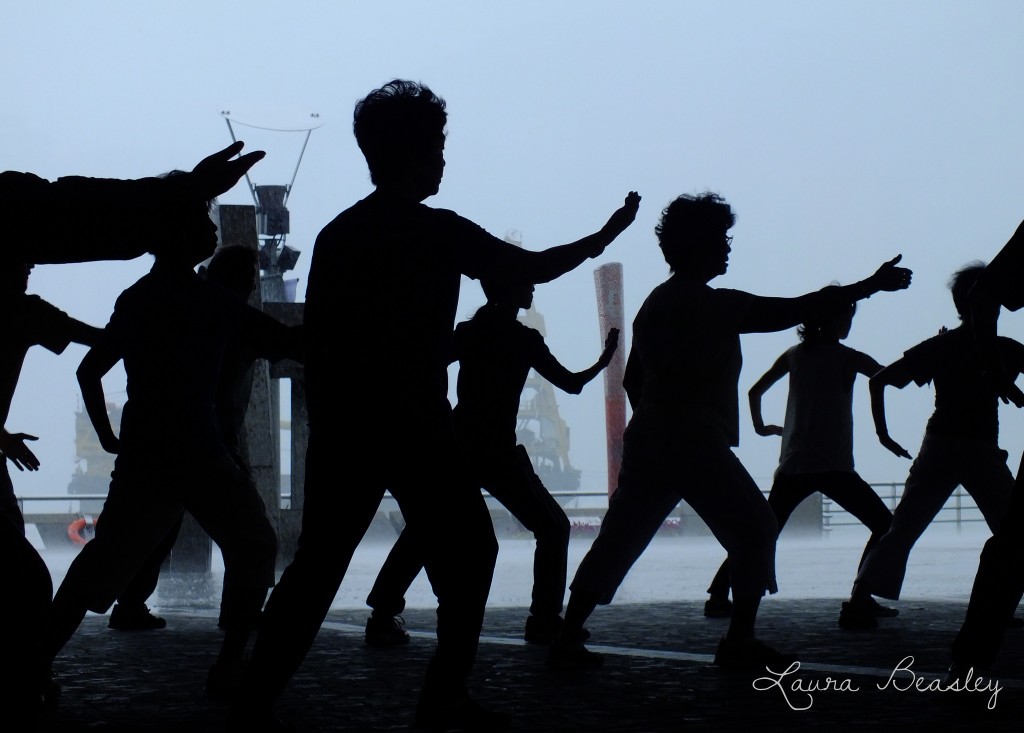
(611,314)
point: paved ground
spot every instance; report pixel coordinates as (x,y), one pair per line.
(658,677)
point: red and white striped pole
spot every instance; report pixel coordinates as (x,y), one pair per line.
(611,314)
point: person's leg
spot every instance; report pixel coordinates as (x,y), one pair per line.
(988,480)
(24,665)
(514,483)
(855,495)
(787,491)
(139,511)
(933,476)
(448,520)
(226,504)
(994,595)
(384,627)
(131,613)
(635,514)
(334,519)
(722,494)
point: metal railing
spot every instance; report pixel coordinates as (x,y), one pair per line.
(959,510)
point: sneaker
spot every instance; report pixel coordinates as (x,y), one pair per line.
(751,654)
(464,715)
(877,610)
(382,631)
(717,607)
(565,654)
(855,617)
(134,618)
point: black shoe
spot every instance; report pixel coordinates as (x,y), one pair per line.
(385,631)
(1015,622)
(715,607)
(134,618)
(855,617)
(751,654)
(568,654)
(877,610)
(463,715)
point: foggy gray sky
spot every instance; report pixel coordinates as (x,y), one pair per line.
(842,133)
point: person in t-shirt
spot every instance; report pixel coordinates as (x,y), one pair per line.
(681,379)
(960,447)
(172,330)
(236,269)
(496,353)
(28,321)
(380,311)
(817,436)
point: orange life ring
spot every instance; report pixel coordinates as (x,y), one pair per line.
(76,529)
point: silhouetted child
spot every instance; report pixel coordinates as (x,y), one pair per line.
(960,447)
(681,379)
(171,329)
(817,435)
(495,354)
(380,310)
(28,321)
(236,269)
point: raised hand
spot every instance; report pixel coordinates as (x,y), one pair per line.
(625,215)
(889,277)
(611,343)
(12,445)
(217,173)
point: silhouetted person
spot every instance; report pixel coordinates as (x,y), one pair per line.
(817,437)
(495,354)
(960,447)
(996,587)
(380,310)
(77,219)
(28,321)
(681,379)
(236,269)
(172,329)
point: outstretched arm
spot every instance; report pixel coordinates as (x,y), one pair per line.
(573,382)
(540,267)
(897,375)
(96,363)
(777,314)
(12,447)
(777,371)
(83,333)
